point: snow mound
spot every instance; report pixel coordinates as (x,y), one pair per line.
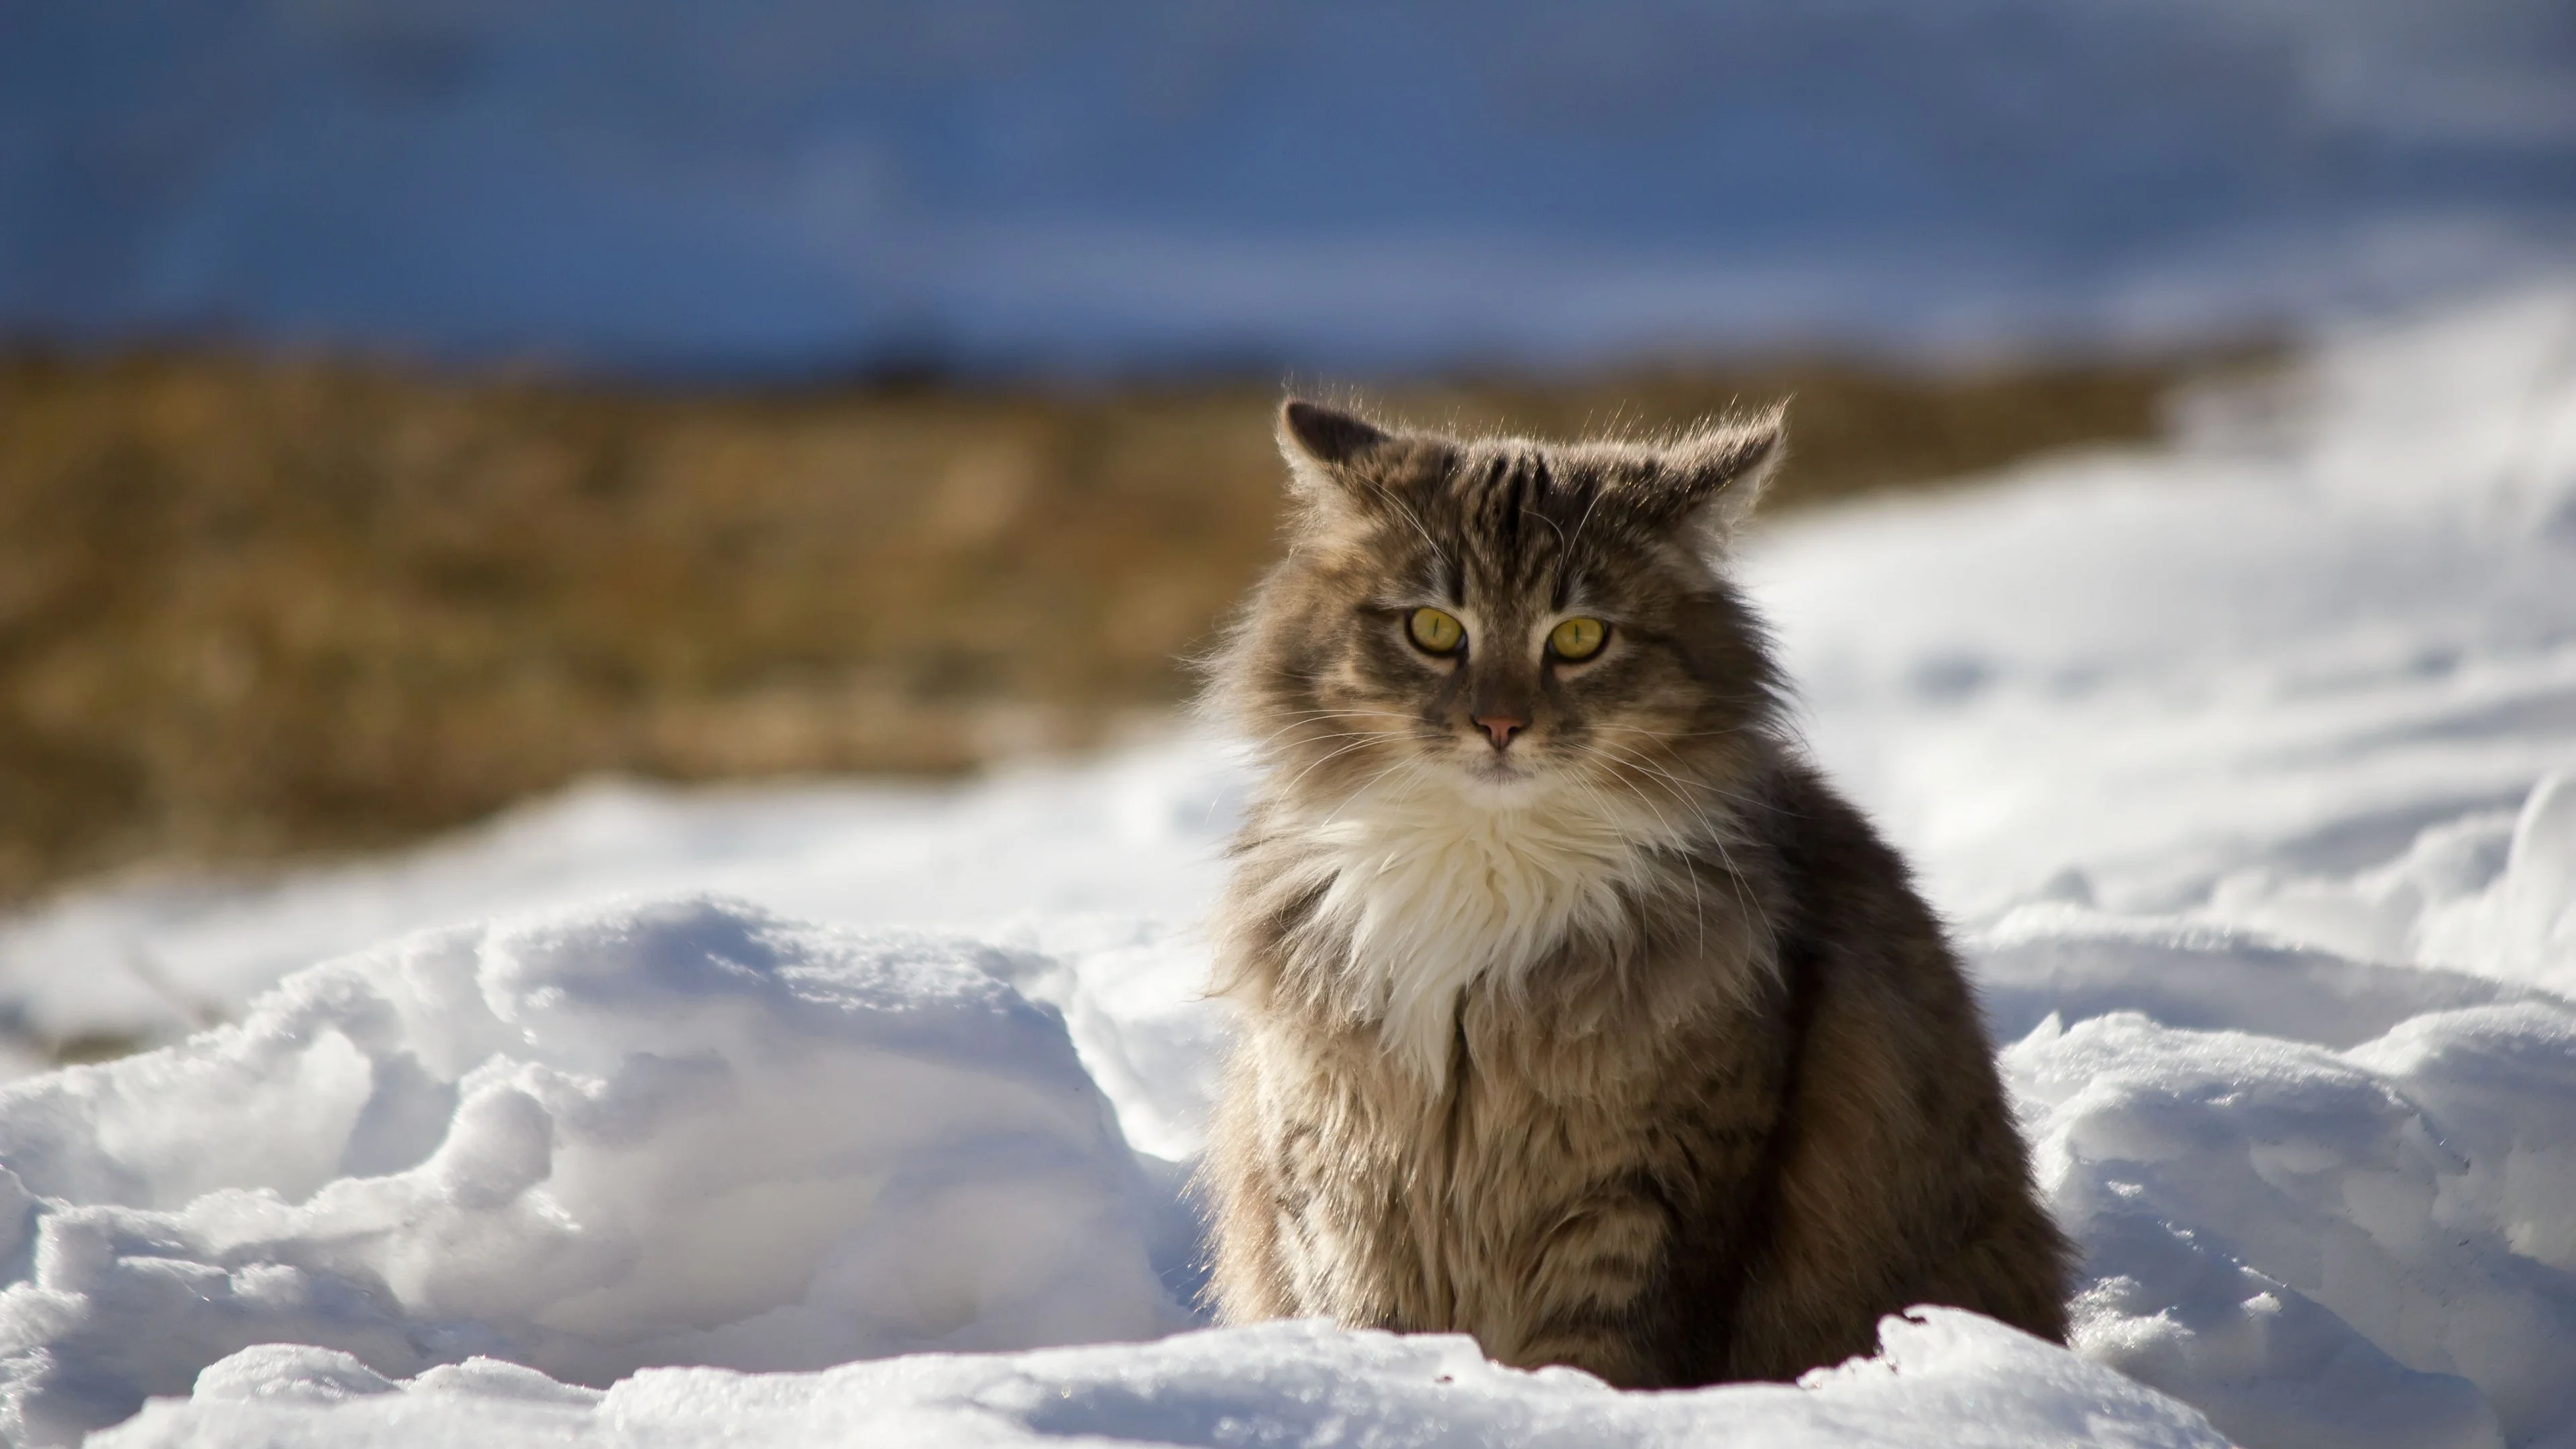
(1072,857)
(675,1132)
(2298,672)
(2370,1247)
(1299,1383)
(2247,768)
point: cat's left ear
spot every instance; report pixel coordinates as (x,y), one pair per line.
(1711,480)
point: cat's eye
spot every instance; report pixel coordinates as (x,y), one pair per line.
(1577,639)
(1436,630)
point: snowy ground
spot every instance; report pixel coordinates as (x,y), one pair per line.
(2247,768)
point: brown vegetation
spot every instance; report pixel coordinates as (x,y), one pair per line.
(251,610)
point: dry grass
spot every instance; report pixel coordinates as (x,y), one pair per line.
(253,610)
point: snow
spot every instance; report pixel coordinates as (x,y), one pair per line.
(783,187)
(2242,671)
(2245,765)
(1289,1383)
(674,1131)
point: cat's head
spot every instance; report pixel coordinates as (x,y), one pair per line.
(1510,621)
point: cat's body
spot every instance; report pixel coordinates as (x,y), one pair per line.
(1579,1013)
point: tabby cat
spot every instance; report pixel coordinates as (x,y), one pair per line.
(1578,1012)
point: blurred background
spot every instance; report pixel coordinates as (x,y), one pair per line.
(408,406)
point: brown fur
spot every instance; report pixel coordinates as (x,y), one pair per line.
(1736,1104)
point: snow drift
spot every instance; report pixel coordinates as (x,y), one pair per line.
(1982,1383)
(681,1132)
(2247,768)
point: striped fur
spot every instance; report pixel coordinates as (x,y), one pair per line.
(1625,1044)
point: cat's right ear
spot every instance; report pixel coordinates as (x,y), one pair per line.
(1328,450)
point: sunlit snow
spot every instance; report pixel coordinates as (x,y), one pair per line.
(2246,768)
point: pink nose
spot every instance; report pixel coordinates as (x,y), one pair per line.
(1502,727)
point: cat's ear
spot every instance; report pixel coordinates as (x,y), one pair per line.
(1327,437)
(1710,481)
(1341,465)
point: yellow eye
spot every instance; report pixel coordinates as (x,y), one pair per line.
(1436,630)
(1577,638)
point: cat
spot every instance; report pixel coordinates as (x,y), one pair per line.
(1577,1011)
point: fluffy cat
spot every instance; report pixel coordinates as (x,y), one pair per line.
(1578,1012)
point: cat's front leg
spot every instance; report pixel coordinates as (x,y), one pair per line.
(1593,1293)
(1308,1197)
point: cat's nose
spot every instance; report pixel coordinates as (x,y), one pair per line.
(1502,727)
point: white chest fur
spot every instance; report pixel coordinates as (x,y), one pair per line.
(1428,892)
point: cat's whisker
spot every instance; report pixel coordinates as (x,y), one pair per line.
(1670,784)
(1714,838)
(1413,765)
(1726,859)
(1343,735)
(1264,746)
(1586,521)
(1699,917)
(1637,761)
(1335,717)
(1399,714)
(1724,792)
(1415,519)
(1326,760)
(1717,841)
(1682,842)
